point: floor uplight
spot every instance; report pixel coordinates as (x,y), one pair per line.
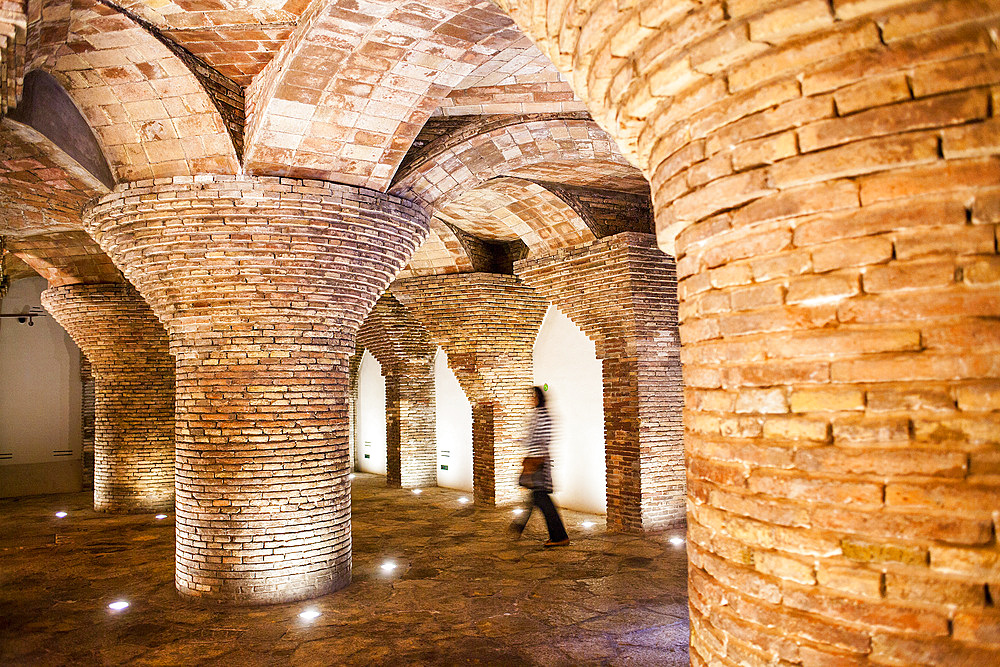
(463,500)
(118,605)
(309,614)
(388,566)
(161,516)
(61,515)
(587,524)
(518,511)
(677,541)
(417,492)
(351,476)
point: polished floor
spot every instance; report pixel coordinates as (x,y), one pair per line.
(463,592)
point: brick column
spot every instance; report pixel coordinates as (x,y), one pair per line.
(133,385)
(487,323)
(262,283)
(403,348)
(621,291)
(830,173)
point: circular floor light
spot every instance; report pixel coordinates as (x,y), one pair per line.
(61,515)
(463,500)
(677,541)
(161,516)
(417,492)
(588,524)
(309,614)
(388,566)
(118,605)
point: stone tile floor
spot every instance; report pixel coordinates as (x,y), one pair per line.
(463,592)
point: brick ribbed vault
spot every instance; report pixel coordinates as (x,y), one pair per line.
(578,151)
(826,174)
(134,392)
(347,108)
(262,284)
(487,324)
(619,290)
(406,354)
(150,113)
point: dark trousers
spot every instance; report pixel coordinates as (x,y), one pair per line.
(541,500)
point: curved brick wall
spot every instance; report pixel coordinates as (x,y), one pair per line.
(262,284)
(830,171)
(133,392)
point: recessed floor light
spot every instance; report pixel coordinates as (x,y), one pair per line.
(309,614)
(351,476)
(588,524)
(677,541)
(161,516)
(119,605)
(388,566)
(417,492)
(463,500)
(518,511)
(61,515)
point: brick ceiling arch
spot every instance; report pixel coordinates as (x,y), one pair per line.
(349,91)
(508,209)
(572,151)
(42,189)
(151,115)
(66,258)
(443,252)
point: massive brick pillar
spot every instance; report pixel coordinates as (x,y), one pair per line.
(830,172)
(487,324)
(133,393)
(622,292)
(262,284)
(403,348)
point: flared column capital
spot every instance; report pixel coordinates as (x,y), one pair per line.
(239,253)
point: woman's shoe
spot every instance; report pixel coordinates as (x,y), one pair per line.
(560,543)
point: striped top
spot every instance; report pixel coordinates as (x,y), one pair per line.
(536,442)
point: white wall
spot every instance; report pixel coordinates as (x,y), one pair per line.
(40,400)
(566,360)
(371,416)
(453,427)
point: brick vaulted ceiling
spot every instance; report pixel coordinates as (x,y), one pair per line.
(338,90)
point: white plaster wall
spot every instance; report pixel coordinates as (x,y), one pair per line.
(371,416)
(453,431)
(40,399)
(566,360)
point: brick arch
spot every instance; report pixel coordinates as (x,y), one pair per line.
(562,150)
(506,209)
(150,114)
(66,258)
(42,189)
(443,252)
(354,84)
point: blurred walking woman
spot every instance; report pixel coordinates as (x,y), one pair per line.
(537,473)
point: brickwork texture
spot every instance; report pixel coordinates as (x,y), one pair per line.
(487,325)
(406,354)
(262,285)
(133,393)
(621,291)
(825,173)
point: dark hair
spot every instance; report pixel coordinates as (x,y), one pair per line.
(539,396)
